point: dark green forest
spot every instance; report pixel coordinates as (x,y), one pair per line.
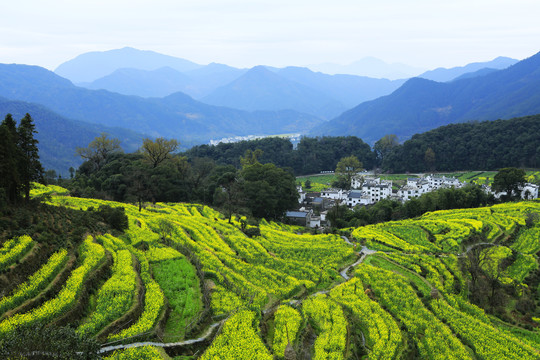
(488,145)
(311,156)
(19,160)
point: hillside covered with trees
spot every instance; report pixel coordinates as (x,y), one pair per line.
(487,145)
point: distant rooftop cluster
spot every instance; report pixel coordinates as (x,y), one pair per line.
(235,139)
(368,190)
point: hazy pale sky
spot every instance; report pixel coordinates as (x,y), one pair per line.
(244,33)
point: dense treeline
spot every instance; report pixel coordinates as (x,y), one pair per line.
(19,159)
(488,145)
(312,155)
(260,190)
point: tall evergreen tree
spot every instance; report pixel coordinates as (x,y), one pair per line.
(9,156)
(30,168)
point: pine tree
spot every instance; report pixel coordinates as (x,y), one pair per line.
(30,168)
(9,156)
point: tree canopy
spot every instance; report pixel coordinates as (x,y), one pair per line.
(19,159)
(156,151)
(509,180)
(346,168)
(99,149)
(488,145)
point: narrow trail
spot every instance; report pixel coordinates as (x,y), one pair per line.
(363,253)
(204,337)
(209,332)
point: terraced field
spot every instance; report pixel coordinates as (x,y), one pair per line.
(182,271)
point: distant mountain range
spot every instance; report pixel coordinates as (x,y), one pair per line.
(370,67)
(175,116)
(153,95)
(59,137)
(165,81)
(90,66)
(261,88)
(478,68)
(420,105)
(291,88)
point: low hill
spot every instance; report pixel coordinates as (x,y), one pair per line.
(350,90)
(295,88)
(166,80)
(421,105)
(59,137)
(488,145)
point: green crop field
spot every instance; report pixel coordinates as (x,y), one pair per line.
(181,270)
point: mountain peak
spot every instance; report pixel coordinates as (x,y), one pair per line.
(421,104)
(90,66)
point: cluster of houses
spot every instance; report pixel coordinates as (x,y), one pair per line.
(369,190)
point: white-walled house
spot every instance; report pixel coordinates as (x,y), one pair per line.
(437,182)
(315,222)
(376,189)
(529,191)
(415,188)
(334,194)
(354,198)
(301,193)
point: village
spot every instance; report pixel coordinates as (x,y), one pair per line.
(367,189)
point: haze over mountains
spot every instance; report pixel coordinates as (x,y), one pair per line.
(443,75)
(90,66)
(175,116)
(158,95)
(420,105)
(59,136)
(370,67)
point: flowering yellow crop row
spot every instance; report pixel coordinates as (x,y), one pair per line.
(40,189)
(91,255)
(115,296)
(434,339)
(287,321)
(374,235)
(14,249)
(238,340)
(139,353)
(154,301)
(329,318)
(162,253)
(488,341)
(382,331)
(527,242)
(36,282)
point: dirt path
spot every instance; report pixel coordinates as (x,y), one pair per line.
(183,343)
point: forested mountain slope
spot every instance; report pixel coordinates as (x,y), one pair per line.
(420,105)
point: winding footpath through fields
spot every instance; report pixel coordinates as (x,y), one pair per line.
(211,329)
(179,344)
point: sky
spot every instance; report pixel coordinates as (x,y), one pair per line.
(244,33)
